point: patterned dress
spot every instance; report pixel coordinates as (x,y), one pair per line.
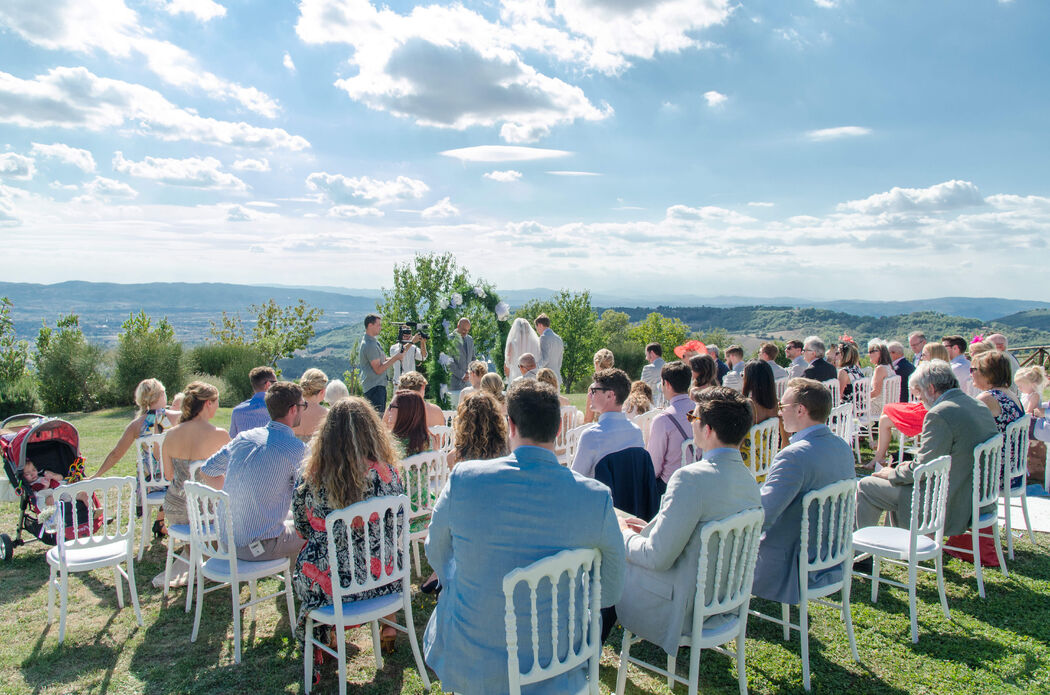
(1009,411)
(312,580)
(854,374)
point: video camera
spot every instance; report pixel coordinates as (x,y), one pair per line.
(406,329)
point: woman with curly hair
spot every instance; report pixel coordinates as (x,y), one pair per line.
(479,430)
(639,399)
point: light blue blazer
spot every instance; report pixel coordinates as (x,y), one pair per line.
(492,517)
(813,460)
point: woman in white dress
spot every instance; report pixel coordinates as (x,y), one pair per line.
(522,338)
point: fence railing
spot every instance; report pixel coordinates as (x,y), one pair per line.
(1033,355)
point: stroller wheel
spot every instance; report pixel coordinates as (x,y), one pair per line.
(7,547)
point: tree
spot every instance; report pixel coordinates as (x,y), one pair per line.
(67,366)
(14,354)
(657,328)
(576,322)
(278,332)
(144,351)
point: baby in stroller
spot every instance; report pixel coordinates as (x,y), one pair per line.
(49,480)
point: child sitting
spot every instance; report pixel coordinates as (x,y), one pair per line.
(49,480)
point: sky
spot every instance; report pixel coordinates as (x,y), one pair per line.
(809,148)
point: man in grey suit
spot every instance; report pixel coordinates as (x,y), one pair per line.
(651,371)
(662,555)
(955,423)
(463,343)
(527,366)
(814,459)
(551,347)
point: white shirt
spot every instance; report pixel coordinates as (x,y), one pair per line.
(408,364)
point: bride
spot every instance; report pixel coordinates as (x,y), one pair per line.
(521,339)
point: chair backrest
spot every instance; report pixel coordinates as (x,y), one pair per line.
(861,401)
(929,499)
(572,441)
(835,387)
(425,475)
(114,500)
(733,564)
(765,443)
(987,472)
(689,452)
(1016,455)
(375,532)
(827,526)
(891,389)
(582,568)
(568,422)
(443,437)
(449,415)
(211,522)
(841,421)
(781,386)
(150,466)
(645,422)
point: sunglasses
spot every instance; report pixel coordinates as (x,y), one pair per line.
(781,406)
(303,405)
(691,416)
(595,389)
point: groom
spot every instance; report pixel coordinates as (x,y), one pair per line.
(551,347)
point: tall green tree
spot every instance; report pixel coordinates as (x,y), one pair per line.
(67,367)
(145,350)
(14,354)
(657,328)
(278,331)
(572,318)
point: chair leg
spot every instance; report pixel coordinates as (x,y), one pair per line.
(939,564)
(51,582)
(288,597)
(785,615)
(119,585)
(621,672)
(200,604)
(1006,522)
(1027,523)
(308,656)
(672,667)
(63,599)
(340,641)
(145,527)
(875,567)
(169,558)
(252,586)
(847,617)
(741,670)
(132,590)
(416,654)
(376,646)
(913,578)
(803,627)
(975,542)
(415,558)
(236,601)
(999,550)
(694,668)
(191,580)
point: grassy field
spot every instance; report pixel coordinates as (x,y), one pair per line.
(996,645)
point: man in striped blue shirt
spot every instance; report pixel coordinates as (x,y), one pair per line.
(258,469)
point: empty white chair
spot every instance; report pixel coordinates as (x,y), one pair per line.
(689,452)
(908,547)
(151,483)
(734,562)
(841,422)
(81,547)
(449,415)
(645,422)
(862,421)
(214,557)
(572,442)
(180,533)
(987,477)
(1016,465)
(765,443)
(442,437)
(781,386)
(891,393)
(832,509)
(836,391)
(390,530)
(424,476)
(569,415)
(582,568)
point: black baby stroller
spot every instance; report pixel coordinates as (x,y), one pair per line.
(52,445)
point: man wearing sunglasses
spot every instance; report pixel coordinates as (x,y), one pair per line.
(614,432)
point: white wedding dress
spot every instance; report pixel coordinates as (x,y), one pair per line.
(521,339)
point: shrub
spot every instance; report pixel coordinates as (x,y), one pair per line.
(68,367)
(228,396)
(19,396)
(145,351)
(229,361)
(630,357)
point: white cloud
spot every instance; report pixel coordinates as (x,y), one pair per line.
(826,4)
(16,166)
(707,213)
(239,213)
(262,204)
(348,211)
(760,204)
(508,176)
(102,187)
(715,99)
(261,164)
(846,131)
(76,98)
(342,189)
(942,196)
(574,173)
(503,153)
(439,210)
(110,26)
(204,10)
(194,172)
(79,158)
(288,63)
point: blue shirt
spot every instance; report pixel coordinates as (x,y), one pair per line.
(260,466)
(614,432)
(250,414)
(802,433)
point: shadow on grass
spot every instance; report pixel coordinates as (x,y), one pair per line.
(26,572)
(41,669)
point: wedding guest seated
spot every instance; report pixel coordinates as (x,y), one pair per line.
(879,355)
(614,431)
(671,427)
(493,385)
(735,359)
(408,425)
(907,418)
(475,370)
(662,555)
(547,376)
(639,400)
(527,365)
(991,375)
(335,392)
(794,349)
(690,349)
(849,370)
(954,425)
(252,412)
(956,346)
(901,367)
(814,459)
(761,392)
(153,417)
(819,368)
(603,359)
(723,368)
(1030,383)
(313,382)
(414,381)
(833,356)
(479,430)
(543,509)
(705,371)
(353,460)
(916,341)
(768,354)
(258,470)
(999,341)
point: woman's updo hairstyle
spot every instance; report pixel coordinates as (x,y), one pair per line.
(313,381)
(148,391)
(196,395)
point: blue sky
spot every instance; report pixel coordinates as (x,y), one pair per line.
(821,148)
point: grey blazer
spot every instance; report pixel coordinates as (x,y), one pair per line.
(551,350)
(463,347)
(954,425)
(815,460)
(651,374)
(660,586)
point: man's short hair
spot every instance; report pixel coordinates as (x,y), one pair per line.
(527,360)
(956,341)
(712,350)
(371,318)
(935,373)
(543,320)
(735,350)
(655,348)
(917,334)
(725,411)
(795,344)
(769,351)
(412,381)
(678,376)
(260,376)
(998,340)
(478,367)
(895,346)
(535,410)
(815,344)
(282,397)
(616,380)
(812,395)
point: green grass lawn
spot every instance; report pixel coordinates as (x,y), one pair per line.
(996,645)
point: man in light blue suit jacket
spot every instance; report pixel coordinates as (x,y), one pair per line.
(662,555)
(814,459)
(495,516)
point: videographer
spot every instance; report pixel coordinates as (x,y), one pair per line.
(372,365)
(413,345)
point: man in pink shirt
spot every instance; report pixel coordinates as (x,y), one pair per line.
(671,427)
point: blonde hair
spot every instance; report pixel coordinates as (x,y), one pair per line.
(603,359)
(313,381)
(935,351)
(413,381)
(480,428)
(478,367)
(349,440)
(1034,375)
(148,391)
(547,376)
(194,397)
(493,384)
(981,347)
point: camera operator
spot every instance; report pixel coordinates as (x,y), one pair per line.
(372,365)
(414,347)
